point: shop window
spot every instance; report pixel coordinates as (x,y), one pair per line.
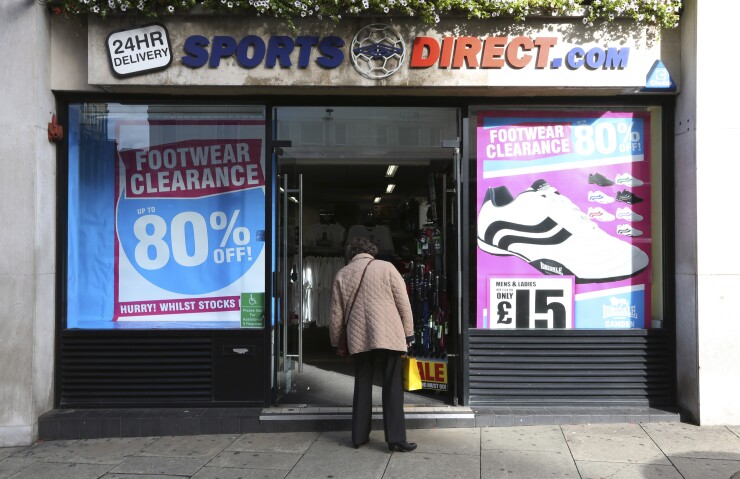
(566,218)
(165,219)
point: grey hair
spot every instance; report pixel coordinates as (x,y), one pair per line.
(361,245)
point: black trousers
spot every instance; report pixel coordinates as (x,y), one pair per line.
(394,422)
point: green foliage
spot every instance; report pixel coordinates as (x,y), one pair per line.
(655,13)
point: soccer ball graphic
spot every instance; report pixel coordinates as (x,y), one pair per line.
(378,51)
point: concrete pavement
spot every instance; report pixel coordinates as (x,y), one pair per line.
(625,451)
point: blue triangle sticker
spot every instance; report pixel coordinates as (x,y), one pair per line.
(659,78)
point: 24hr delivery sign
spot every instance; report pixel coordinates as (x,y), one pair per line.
(189,226)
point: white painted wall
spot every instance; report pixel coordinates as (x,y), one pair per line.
(686,234)
(717,129)
(27,209)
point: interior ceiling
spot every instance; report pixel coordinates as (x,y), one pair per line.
(360,183)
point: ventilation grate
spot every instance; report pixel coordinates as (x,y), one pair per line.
(128,370)
(572,367)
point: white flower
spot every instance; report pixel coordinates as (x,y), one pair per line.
(385,9)
(170,8)
(96,9)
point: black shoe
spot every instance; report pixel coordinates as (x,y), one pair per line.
(401,446)
(628,197)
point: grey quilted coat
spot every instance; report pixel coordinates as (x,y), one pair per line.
(381,317)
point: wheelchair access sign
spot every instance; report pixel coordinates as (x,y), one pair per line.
(253,310)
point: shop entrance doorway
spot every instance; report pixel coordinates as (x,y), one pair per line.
(389,174)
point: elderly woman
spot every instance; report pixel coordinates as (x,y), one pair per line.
(370,298)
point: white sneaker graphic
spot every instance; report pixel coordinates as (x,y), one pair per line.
(600,197)
(628,215)
(627,180)
(599,214)
(627,230)
(545,229)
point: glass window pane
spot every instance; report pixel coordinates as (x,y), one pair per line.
(166,216)
(567,217)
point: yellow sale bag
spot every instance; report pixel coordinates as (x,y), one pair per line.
(411,377)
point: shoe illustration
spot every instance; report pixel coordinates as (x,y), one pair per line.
(599,179)
(549,232)
(628,180)
(600,197)
(628,197)
(628,215)
(627,230)
(599,214)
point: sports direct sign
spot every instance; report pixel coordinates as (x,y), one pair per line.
(211,53)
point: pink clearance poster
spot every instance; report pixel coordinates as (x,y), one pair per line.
(563,219)
(190,223)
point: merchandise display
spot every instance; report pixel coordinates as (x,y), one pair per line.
(628,197)
(627,214)
(599,179)
(548,231)
(600,214)
(600,197)
(628,180)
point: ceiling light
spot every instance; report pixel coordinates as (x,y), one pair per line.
(391,171)
(376,200)
(390,188)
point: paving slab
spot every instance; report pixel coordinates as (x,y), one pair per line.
(9,451)
(612,443)
(735,429)
(326,459)
(445,441)
(10,466)
(176,466)
(695,468)
(610,430)
(41,450)
(100,451)
(499,463)
(140,476)
(531,438)
(432,465)
(687,440)
(59,470)
(255,460)
(623,470)
(288,442)
(236,473)
(189,446)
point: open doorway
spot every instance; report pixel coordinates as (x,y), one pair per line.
(382,173)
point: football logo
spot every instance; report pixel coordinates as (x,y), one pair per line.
(377,51)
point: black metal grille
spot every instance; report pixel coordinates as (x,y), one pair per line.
(572,367)
(126,370)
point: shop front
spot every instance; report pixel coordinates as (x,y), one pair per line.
(514,174)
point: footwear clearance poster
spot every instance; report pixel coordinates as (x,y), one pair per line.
(189,227)
(189,224)
(563,219)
